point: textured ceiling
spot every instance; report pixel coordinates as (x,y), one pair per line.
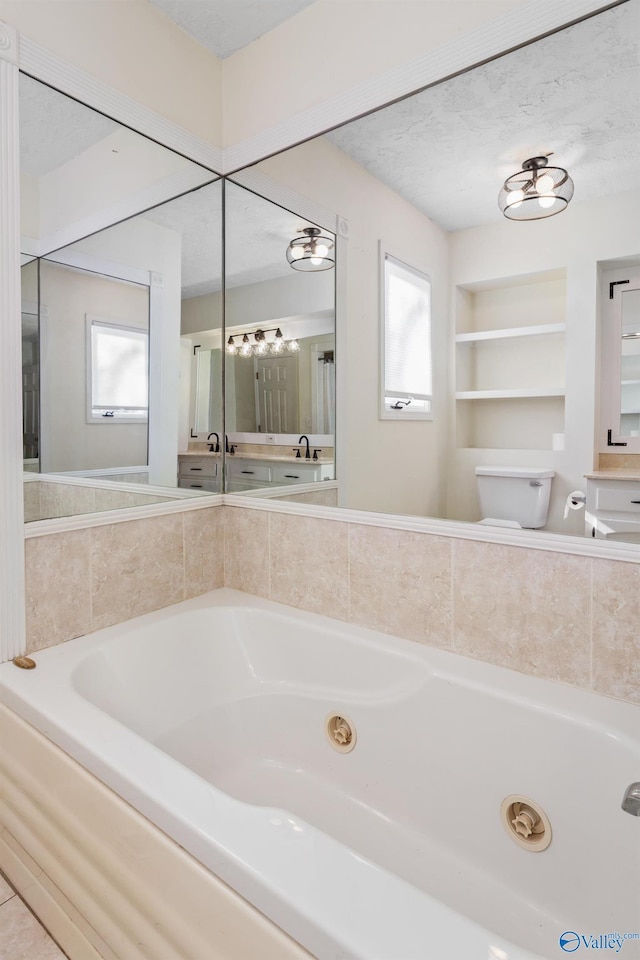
(224,26)
(54,129)
(576,93)
(258,234)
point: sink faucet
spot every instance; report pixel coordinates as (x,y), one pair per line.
(307,455)
(228,449)
(213,449)
(631,800)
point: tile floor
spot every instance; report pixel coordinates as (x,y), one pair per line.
(21,936)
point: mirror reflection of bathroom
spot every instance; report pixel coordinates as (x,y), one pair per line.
(280,346)
(519,383)
(30,365)
(106,406)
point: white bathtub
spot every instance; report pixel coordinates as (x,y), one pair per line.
(209,718)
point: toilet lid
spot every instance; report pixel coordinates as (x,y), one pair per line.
(533,473)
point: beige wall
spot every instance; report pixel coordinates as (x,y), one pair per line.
(134,48)
(68,441)
(279,75)
(390,467)
(199,314)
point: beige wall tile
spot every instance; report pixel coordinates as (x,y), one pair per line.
(58,598)
(401,583)
(31,501)
(246,550)
(616,629)
(62,500)
(203,551)
(320,498)
(137,566)
(310,564)
(524,609)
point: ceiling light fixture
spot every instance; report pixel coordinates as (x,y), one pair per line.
(312,252)
(536,191)
(261,347)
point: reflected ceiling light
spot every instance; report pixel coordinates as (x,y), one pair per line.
(261,347)
(536,191)
(311,252)
(246,350)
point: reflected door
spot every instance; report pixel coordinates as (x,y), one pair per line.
(277,394)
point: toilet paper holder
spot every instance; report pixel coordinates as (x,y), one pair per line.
(575,501)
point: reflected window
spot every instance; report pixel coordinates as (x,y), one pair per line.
(407,357)
(118,387)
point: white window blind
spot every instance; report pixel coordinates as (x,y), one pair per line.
(407,352)
(408,365)
(119,371)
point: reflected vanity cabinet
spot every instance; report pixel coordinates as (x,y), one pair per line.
(510,362)
(244,473)
(199,473)
(613,506)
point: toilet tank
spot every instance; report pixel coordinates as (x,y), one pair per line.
(515,494)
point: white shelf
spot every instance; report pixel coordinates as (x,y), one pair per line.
(533,331)
(510,394)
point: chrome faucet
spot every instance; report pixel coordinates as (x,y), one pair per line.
(215,449)
(307,455)
(631,800)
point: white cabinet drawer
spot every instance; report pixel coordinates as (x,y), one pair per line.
(295,472)
(618,497)
(248,470)
(199,483)
(197,467)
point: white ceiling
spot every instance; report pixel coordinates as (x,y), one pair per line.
(576,93)
(54,129)
(225,26)
(258,234)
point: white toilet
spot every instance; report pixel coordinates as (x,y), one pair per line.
(514,496)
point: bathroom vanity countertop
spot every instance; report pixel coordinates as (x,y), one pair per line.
(291,458)
(613,475)
(201,453)
(268,458)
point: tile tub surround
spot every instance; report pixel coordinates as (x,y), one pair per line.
(558,616)
(80,580)
(44,501)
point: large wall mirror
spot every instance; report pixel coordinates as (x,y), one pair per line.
(515,307)
(280,346)
(118,235)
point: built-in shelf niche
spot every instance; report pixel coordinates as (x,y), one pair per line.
(510,362)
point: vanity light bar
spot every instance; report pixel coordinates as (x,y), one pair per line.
(262,346)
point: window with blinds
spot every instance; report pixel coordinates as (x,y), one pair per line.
(118,372)
(407,367)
